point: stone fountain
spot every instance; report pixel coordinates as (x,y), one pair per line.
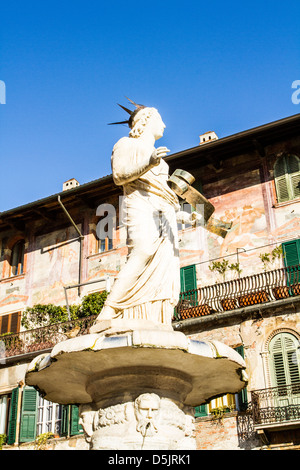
(135,379)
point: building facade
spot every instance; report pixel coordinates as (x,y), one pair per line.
(242,290)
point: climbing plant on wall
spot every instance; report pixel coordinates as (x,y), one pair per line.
(47,314)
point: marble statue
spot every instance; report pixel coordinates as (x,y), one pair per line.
(137,380)
(148,286)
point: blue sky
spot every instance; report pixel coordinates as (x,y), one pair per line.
(222,66)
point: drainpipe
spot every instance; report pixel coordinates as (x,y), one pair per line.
(80,239)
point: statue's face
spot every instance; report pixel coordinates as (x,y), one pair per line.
(156,125)
(147,414)
(148,408)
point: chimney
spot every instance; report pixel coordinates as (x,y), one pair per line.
(70,184)
(208,137)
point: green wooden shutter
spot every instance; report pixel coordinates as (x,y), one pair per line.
(188,285)
(64,431)
(291,256)
(29,415)
(13,414)
(291,252)
(287,178)
(75,427)
(294,175)
(201,411)
(284,359)
(188,280)
(242,396)
(281,180)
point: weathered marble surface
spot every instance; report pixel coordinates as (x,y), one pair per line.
(108,374)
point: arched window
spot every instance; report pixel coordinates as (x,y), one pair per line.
(17,258)
(287,178)
(285,360)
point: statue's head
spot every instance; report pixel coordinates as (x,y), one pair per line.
(143,119)
(147,119)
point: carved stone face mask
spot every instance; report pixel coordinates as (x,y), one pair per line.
(147,414)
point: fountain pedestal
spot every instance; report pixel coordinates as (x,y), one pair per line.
(137,388)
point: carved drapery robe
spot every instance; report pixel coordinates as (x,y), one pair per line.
(148,286)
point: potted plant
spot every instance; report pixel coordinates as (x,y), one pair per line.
(194,311)
(3,439)
(221,268)
(280,292)
(228,303)
(41,442)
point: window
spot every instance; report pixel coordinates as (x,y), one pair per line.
(17,258)
(105,244)
(287,178)
(49,417)
(38,416)
(4,400)
(238,401)
(10,323)
(284,360)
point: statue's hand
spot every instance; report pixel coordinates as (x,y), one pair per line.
(196,218)
(158,154)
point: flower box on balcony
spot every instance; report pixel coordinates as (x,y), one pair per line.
(281,292)
(253,298)
(192,312)
(229,304)
(296,289)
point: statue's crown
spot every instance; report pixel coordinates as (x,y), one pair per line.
(132,114)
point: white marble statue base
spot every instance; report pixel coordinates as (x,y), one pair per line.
(137,387)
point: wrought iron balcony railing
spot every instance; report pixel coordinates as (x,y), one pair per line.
(43,338)
(276,405)
(230,295)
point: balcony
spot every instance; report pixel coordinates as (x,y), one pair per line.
(31,342)
(259,288)
(277,407)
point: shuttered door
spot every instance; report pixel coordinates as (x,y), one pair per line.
(29,415)
(291,256)
(13,413)
(285,367)
(284,360)
(188,279)
(242,396)
(75,427)
(188,284)
(10,323)
(4,324)
(64,421)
